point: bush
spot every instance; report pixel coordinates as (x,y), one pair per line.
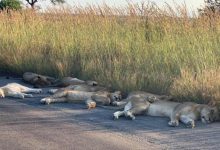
(10,4)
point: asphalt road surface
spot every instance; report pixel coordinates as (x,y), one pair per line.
(26,124)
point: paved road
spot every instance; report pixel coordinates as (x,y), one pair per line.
(26,124)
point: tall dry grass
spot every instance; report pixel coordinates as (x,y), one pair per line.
(140,47)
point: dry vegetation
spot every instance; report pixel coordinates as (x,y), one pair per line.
(161,51)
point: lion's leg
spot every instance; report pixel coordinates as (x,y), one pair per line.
(58,97)
(130,114)
(117,114)
(52,91)
(30,90)
(138,110)
(25,89)
(28,95)
(15,94)
(49,100)
(187,121)
(90,103)
(174,120)
(116,103)
(59,94)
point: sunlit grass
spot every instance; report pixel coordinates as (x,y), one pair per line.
(134,52)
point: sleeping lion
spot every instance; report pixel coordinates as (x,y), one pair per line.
(141,95)
(17,91)
(38,80)
(136,103)
(43,81)
(89,98)
(187,112)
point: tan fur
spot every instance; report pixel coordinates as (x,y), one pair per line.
(136,103)
(16,90)
(82,87)
(67,81)
(90,98)
(147,94)
(186,113)
(142,95)
(38,80)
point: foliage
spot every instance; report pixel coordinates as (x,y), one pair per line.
(10,4)
(212,6)
(33,2)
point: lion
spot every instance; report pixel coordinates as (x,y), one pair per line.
(38,80)
(81,87)
(136,103)
(187,112)
(67,81)
(90,98)
(141,95)
(17,91)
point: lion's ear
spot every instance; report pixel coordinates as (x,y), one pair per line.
(94,84)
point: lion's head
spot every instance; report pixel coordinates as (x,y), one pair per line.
(41,81)
(209,114)
(115,96)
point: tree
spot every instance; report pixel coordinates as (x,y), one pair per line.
(33,2)
(211,6)
(10,4)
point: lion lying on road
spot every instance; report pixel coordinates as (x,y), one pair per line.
(17,91)
(38,80)
(90,98)
(42,81)
(186,113)
(136,103)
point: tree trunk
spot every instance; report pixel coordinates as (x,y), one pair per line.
(32,3)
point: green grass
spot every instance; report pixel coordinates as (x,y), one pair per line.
(151,53)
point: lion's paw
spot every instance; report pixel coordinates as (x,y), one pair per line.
(130,115)
(21,96)
(45,101)
(115,103)
(190,124)
(91,105)
(116,116)
(52,91)
(39,91)
(173,123)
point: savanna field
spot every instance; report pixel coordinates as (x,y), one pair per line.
(134,48)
